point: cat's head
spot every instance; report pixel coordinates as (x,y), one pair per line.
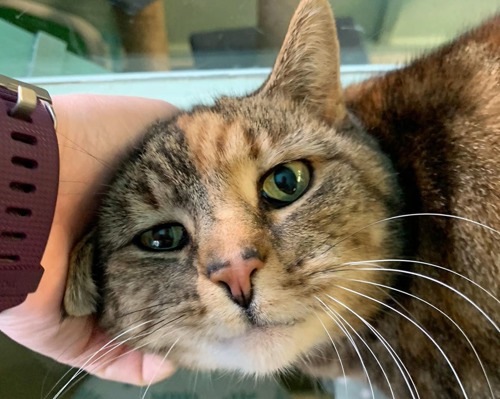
(228,231)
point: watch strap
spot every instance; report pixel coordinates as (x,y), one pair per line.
(29,176)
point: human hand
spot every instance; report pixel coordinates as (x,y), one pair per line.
(93,131)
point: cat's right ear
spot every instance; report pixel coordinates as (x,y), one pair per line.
(307,68)
(81,296)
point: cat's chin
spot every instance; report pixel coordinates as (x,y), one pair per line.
(261,350)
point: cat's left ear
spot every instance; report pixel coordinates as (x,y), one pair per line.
(307,68)
(81,296)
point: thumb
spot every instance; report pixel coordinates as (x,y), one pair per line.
(156,368)
(134,367)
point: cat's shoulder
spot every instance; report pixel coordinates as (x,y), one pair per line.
(463,74)
(488,33)
(474,47)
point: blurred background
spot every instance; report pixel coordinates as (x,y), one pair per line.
(71,37)
(187,51)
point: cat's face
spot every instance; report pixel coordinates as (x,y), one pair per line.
(206,180)
(224,234)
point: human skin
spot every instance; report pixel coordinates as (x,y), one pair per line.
(92,131)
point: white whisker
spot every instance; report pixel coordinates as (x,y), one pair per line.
(155,374)
(388,219)
(436,281)
(464,219)
(80,370)
(113,359)
(441,312)
(419,327)
(336,351)
(389,348)
(374,261)
(195,383)
(369,349)
(334,316)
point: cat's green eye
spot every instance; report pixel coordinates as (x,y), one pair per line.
(286,183)
(164,237)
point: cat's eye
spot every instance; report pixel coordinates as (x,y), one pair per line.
(164,237)
(285,183)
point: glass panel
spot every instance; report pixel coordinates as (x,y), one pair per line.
(60,37)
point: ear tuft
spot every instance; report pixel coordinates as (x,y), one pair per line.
(81,296)
(307,68)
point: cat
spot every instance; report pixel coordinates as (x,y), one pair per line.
(341,232)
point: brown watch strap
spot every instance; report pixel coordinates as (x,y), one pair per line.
(29,176)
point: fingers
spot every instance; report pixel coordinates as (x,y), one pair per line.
(112,359)
(156,368)
(132,367)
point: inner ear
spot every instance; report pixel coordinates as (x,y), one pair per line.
(81,296)
(307,68)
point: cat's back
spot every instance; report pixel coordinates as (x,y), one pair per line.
(459,80)
(439,120)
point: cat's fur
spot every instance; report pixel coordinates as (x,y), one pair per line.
(425,138)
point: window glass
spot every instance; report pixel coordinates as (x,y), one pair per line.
(61,37)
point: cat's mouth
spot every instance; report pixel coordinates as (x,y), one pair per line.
(256,321)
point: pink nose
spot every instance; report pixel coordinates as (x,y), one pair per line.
(237,276)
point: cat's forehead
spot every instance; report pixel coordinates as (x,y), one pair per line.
(214,141)
(236,132)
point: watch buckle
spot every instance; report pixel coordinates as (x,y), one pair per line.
(27,98)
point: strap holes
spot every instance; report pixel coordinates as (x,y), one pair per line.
(25,162)
(9,258)
(13,235)
(24,187)
(24,138)
(23,212)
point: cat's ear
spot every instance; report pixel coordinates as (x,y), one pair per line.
(81,296)
(307,68)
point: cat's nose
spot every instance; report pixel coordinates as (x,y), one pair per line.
(236,276)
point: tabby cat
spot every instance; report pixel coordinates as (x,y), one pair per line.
(303,226)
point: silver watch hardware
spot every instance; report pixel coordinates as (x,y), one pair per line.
(27,97)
